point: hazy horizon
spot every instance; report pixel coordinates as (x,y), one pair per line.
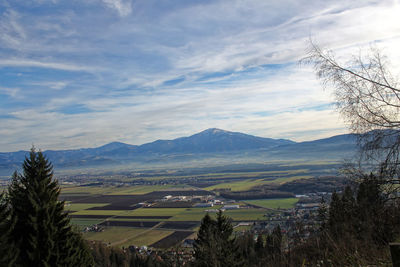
(83,74)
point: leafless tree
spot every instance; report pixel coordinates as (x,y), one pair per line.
(368,98)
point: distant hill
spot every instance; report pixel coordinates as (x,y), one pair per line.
(211,140)
(204,145)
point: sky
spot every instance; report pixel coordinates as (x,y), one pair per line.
(85,73)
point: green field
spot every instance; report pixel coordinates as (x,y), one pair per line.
(279,203)
(155,212)
(114,234)
(126,236)
(238,186)
(250,183)
(146,238)
(86,190)
(100,212)
(246,214)
(193,214)
(83,206)
(140,190)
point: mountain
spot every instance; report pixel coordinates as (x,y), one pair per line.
(207,145)
(211,140)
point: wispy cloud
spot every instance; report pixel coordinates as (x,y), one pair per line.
(123,7)
(97,71)
(12,33)
(9,91)
(40,64)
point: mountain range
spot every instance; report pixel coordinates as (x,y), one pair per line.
(207,145)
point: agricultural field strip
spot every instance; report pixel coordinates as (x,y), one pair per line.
(113,234)
(89,190)
(83,206)
(129,235)
(146,238)
(141,190)
(141,233)
(172,239)
(283,203)
(248,184)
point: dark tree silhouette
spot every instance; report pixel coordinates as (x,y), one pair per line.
(39,226)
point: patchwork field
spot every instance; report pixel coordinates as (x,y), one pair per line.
(132,224)
(164,214)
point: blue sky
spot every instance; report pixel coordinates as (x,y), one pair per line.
(84,73)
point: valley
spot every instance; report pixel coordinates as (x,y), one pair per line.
(163,209)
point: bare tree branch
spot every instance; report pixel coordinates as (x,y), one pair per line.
(367,97)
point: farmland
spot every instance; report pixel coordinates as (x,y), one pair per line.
(136,223)
(283,203)
(162,210)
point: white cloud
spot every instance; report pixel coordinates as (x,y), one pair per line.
(12,32)
(56,85)
(117,67)
(123,7)
(13,92)
(41,64)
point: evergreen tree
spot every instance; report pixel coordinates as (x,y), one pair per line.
(228,248)
(259,246)
(335,220)
(8,252)
(348,203)
(42,230)
(215,245)
(205,245)
(246,248)
(371,215)
(277,241)
(322,214)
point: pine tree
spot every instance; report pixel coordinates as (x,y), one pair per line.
(225,241)
(215,245)
(259,246)
(322,214)
(8,252)
(349,203)
(205,245)
(246,249)
(42,230)
(277,240)
(335,220)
